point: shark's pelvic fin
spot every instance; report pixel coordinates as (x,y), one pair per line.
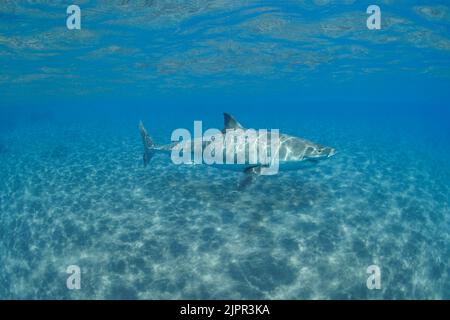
(148,144)
(230,122)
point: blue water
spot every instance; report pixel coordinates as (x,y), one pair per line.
(74,191)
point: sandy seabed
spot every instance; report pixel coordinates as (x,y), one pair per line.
(80,196)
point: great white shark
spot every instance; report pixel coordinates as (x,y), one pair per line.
(294,153)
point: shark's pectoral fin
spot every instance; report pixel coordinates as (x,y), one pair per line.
(250,175)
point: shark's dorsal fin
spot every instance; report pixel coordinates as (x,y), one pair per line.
(230,122)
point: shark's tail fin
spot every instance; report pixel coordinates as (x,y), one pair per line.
(148,144)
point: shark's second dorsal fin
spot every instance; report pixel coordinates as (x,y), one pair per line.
(230,122)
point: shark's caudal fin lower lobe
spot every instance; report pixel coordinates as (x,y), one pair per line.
(148,144)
